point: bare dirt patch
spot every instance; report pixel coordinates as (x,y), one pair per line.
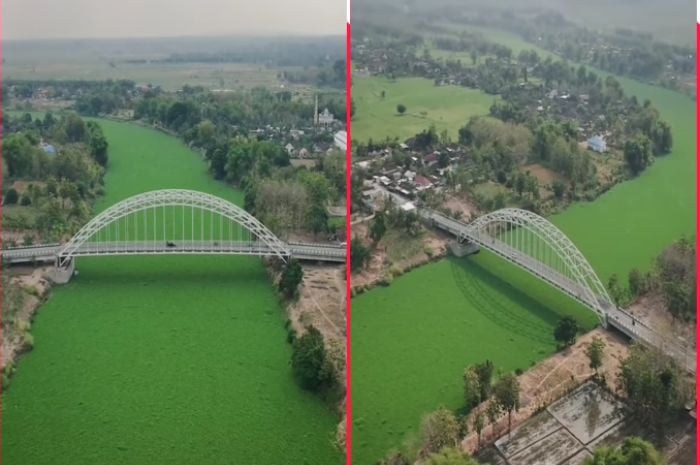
(551,379)
(651,310)
(32,287)
(544,175)
(466,207)
(382,268)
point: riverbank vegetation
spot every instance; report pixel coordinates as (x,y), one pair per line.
(672,277)
(53,170)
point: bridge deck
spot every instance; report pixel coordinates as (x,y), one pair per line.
(301,251)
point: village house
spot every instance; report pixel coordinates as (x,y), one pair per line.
(422,183)
(290,149)
(597,144)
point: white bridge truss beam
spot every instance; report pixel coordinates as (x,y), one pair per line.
(95,238)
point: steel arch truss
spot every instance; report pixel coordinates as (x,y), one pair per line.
(269,244)
(533,243)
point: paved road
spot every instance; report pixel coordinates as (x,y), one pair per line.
(300,250)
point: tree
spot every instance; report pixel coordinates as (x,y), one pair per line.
(595,352)
(359,254)
(679,301)
(507,393)
(520,183)
(484,371)
(401,108)
(292,276)
(75,128)
(310,362)
(493,411)
(559,189)
(378,228)
(478,425)
(565,331)
(638,284)
(472,389)
(450,456)
(11,197)
(617,292)
(98,143)
(638,154)
(662,138)
(317,218)
(439,429)
(654,386)
(634,451)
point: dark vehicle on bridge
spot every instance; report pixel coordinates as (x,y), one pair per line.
(170,244)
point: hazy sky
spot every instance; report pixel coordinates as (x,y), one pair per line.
(33,19)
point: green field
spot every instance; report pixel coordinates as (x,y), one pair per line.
(161,360)
(170,76)
(413,340)
(447,107)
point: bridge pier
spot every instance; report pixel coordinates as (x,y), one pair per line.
(463,249)
(61,275)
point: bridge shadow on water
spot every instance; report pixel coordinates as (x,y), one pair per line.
(207,270)
(527,316)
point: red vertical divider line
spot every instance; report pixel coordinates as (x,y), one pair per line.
(697,228)
(2,289)
(348,238)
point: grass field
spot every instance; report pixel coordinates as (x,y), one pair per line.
(170,76)
(448,107)
(162,360)
(413,340)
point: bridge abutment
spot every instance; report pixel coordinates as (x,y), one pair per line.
(61,275)
(463,249)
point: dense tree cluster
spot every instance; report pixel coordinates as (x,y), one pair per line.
(290,279)
(91,97)
(673,277)
(633,451)
(550,107)
(655,387)
(565,331)
(310,362)
(61,182)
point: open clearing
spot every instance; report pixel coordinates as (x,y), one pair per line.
(162,360)
(447,107)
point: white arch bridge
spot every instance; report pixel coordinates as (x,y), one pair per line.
(174,221)
(537,246)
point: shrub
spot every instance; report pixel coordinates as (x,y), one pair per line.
(396,271)
(310,362)
(292,275)
(25,201)
(11,197)
(28,342)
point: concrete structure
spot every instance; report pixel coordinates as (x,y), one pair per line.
(341,140)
